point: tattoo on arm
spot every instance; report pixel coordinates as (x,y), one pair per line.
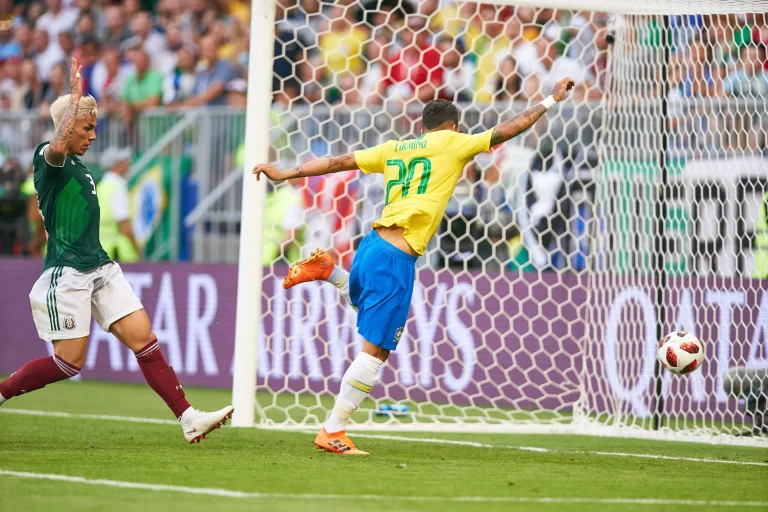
(323,166)
(56,152)
(341,163)
(296,172)
(518,124)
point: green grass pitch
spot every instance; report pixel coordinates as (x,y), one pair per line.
(251,469)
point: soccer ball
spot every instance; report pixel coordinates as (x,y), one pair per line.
(680,352)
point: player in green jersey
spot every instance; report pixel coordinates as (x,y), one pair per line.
(79,280)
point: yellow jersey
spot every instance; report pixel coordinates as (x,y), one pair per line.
(419,178)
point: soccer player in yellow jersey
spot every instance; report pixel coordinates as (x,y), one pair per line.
(420,176)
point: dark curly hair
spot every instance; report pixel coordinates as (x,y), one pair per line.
(437,112)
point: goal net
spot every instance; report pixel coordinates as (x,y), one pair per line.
(634,208)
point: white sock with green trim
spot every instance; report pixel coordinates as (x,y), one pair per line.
(358,380)
(340,279)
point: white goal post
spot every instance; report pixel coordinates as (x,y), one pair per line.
(637,207)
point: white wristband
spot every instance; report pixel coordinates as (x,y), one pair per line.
(548,102)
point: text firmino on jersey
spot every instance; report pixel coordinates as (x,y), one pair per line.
(415,144)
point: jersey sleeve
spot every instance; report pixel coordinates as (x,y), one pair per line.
(41,165)
(371,159)
(467,146)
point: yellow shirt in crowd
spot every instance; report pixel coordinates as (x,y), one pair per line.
(343,50)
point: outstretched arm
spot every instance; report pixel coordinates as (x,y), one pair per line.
(56,152)
(316,167)
(513,127)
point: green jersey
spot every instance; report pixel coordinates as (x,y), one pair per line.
(70,209)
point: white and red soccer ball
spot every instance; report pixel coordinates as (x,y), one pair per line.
(680,352)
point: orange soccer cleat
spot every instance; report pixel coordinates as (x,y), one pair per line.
(337,443)
(317,267)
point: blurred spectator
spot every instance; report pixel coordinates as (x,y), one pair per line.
(179,85)
(95,15)
(174,38)
(58,85)
(443,18)
(56,20)
(701,78)
(458,70)
(144,88)
(510,84)
(550,68)
(522,50)
(283,223)
(130,8)
(416,69)
(237,92)
(23,36)
(242,47)
(342,44)
(38,237)
(191,18)
(108,79)
(486,38)
(87,55)
(14,232)
(205,26)
(760,34)
(116,30)
(86,27)
(34,11)
(372,86)
(581,31)
(168,12)
(67,45)
(115,230)
(46,54)
(300,18)
(331,222)
(288,62)
(725,34)
(211,81)
(32,89)
(543,214)
(10,83)
(237,9)
(224,32)
(9,48)
(749,78)
(151,41)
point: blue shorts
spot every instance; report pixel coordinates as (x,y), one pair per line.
(381,286)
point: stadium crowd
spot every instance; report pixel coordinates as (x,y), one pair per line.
(179,53)
(142,54)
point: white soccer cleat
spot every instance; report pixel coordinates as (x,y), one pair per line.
(196,424)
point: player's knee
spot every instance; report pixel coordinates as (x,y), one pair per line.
(70,353)
(375,351)
(141,341)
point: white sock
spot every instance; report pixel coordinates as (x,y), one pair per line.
(340,279)
(358,381)
(2,399)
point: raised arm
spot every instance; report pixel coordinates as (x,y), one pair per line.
(316,167)
(56,152)
(513,127)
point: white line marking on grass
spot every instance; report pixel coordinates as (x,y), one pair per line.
(226,493)
(548,450)
(130,419)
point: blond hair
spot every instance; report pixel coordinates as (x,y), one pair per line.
(86,106)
